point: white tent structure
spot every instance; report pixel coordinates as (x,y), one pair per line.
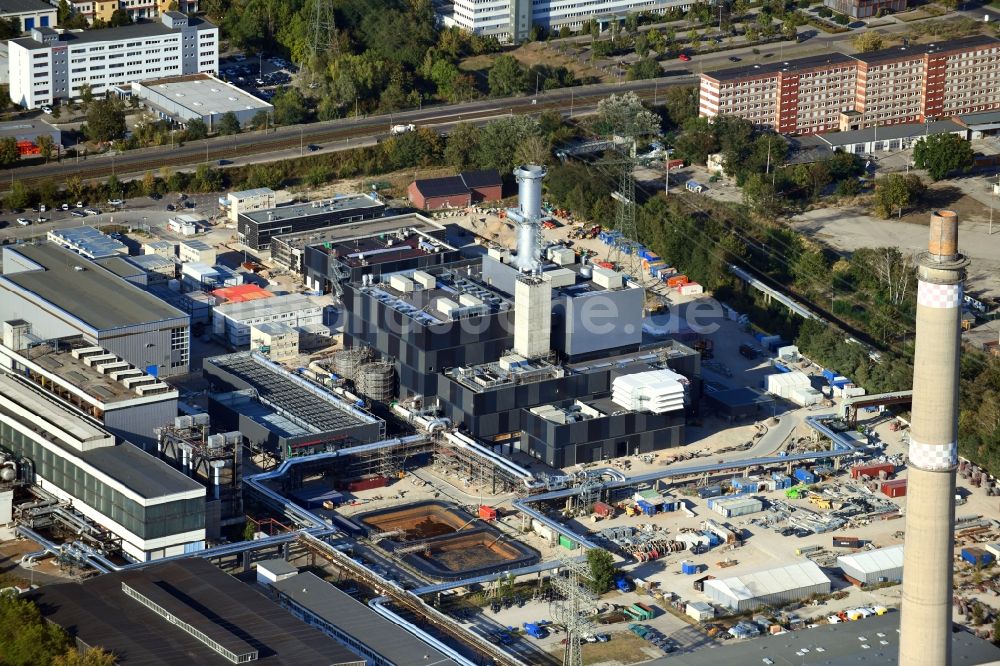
(772,587)
(793,386)
(656,391)
(874,566)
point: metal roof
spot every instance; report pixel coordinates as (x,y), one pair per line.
(874,561)
(984,118)
(871,641)
(890,132)
(92,295)
(350,616)
(134,31)
(319,207)
(202,94)
(919,50)
(98,612)
(88,240)
(441,187)
(265,307)
(481,178)
(8,7)
(770,581)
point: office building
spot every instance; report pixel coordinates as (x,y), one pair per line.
(256,228)
(281,413)
(155,510)
(196,250)
(29,14)
(232,321)
(512,20)
(164,248)
(247,201)
(181,613)
(125,400)
(903,84)
(64,295)
(181,99)
(278,341)
(862,9)
(353,624)
(49,67)
(87,242)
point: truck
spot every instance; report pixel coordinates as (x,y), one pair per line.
(396,130)
(534,630)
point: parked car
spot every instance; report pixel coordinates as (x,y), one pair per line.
(171,207)
(734,59)
(47,109)
(76,213)
(684,57)
(115,202)
(93,211)
(23,221)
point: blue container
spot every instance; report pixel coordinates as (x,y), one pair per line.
(709,491)
(713,538)
(689,569)
(781,367)
(830,375)
(804,475)
(977,557)
(646,507)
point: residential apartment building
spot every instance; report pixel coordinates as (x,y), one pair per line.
(50,66)
(903,84)
(512,20)
(28,13)
(102,10)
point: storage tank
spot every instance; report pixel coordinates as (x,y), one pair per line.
(376,381)
(347,361)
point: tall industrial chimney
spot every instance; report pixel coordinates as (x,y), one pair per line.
(528,215)
(925,638)
(532,316)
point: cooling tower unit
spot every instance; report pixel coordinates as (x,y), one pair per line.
(528,215)
(925,634)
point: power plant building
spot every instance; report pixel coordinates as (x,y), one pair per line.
(62,294)
(155,510)
(256,228)
(280,412)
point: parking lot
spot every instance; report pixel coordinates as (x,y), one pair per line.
(260,76)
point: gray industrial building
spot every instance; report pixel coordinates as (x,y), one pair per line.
(128,402)
(87,242)
(353,624)
(256,228)
(574,432)
(183,613)
(882,565)
(492,400)
(181,99)
(279,412)
(123,267)
(155,510)
(348,251)
(418,321)
(63,295)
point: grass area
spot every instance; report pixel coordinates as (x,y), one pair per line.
(623,649)
(530,54)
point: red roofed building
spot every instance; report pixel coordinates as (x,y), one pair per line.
(241,294)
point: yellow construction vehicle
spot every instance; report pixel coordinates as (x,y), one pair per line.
(820,501)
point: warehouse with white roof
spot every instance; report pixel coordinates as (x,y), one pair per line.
(883,565)
(772,587)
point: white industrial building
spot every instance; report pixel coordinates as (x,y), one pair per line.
(276,340)
(656,391)
(87,242)
(512,20)
(772,587)
(164,248)
(196,250)
(737,506)
(247,201)
(232,321)
(50,66)
(793,386)
(883,565)
(182,99)
(29,14)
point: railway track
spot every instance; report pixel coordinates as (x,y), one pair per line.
(286,138)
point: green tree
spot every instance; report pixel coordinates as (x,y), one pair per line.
(148,184)
(499,141)
(647,68)
(760,196)
(26,639)
(119,17)
(681,104)
(86,95)
(534,149)
(289,107)
(941,154)
(248,531)
(106,120)
(317,176)
(895,192)
(261,120)
(207,179)
(92,657)
(812,178)
(867,41)
(602,570)
(460,152)
(229,124)
(63,12)
(195,130)
(19,195)
(506,76)
(8,151)
(46,146)
(75,188)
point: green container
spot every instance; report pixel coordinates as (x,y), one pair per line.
(567,543)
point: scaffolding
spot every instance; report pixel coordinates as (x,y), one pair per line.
(376,381)
(347,361)
(474,470)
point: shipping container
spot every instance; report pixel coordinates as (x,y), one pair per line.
(847,542)
(677,280)
(709,491)
(487,512)
(699,584)
(895,488)
(872,471)
(368,484)
(604,510)
(830,375)
(690,289)
(646,507)
(674,164)
(567,543)
(804,475)
(977,557)
(689,568)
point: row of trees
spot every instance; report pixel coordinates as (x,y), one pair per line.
(26,639)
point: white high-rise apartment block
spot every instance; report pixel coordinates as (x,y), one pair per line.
(50,66)
(512,20)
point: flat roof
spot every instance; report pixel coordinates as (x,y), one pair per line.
(309,403)
(90,240)
(913,50)
(873,640)
(749,70)
(151,262)
(275,328)
(28,129)
(983,118)
(57,357)
(134,31)
(194,244)
(94,296)
(98,612)
(120,266)
(265,307)
(203,94)
(319,207)
(386,247)
(20,6)
(337,233)
(890,132)
(355,619)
